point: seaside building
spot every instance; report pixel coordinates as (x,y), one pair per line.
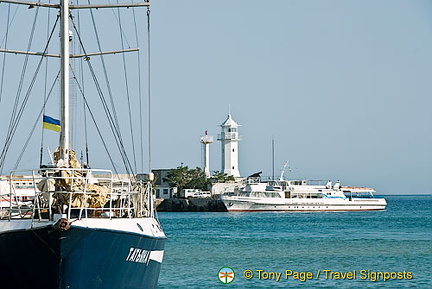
(162,188)
(229,139)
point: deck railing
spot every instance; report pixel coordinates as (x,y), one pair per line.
(73,194)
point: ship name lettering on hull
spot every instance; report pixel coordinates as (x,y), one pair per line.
(138,255)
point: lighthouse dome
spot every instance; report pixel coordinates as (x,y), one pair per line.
(229,122)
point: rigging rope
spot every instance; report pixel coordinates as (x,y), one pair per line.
(37,121)
(45,92)
(112,114)
(139,95)
(111,118)
(13,121)
(16,116)
(127,90)
(11,21)
(4,54)
(94,122)
(83,92)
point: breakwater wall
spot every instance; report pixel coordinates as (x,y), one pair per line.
(190,205)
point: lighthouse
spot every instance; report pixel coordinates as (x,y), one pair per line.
(206,140)
(229,139)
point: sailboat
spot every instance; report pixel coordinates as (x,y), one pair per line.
(84,228)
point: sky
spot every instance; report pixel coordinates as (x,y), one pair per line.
(341,87)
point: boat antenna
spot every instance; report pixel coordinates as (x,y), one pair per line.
(273,159)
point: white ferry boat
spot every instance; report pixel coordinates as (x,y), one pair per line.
(301,195)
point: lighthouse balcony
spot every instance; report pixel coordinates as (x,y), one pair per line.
(206,139)
(229,136)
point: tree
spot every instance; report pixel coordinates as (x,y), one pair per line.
(198,179)
(220,177)
(184,178)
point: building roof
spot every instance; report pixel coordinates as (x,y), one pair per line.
(230,122)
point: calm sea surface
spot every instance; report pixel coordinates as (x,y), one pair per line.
(398,240)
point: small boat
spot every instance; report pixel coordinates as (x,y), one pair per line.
(80,227)
(301,195)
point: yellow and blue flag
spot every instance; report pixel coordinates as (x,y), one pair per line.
(51,123)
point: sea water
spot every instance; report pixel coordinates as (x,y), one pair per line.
(371,249)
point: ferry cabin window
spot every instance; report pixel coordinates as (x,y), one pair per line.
(272,195)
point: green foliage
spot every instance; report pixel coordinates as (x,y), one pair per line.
(220,177)
(185,178)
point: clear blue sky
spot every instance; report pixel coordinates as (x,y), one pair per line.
(342,86)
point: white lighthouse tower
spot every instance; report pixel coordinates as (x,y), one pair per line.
(229,139)
(206,140)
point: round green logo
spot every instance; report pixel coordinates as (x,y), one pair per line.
(226,275)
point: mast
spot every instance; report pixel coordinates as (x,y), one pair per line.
(64,86)
(64,142)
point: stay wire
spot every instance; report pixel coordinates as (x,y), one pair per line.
(127,90)
(14,122)
(18,114)
(11,21)
(139,95)
(140,91)
(13,119)
(4,54)
(81,89)
(112,125)
(37,121)
(114,113)
(45,91)
(84,104)
(110,117)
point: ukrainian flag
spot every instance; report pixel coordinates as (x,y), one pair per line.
(51,123)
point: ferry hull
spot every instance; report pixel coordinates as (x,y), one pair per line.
(80,257)
(245,204)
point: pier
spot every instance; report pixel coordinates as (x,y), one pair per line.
(190,205)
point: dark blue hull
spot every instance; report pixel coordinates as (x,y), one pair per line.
(80,257)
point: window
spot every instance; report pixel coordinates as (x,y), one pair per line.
(165,191)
